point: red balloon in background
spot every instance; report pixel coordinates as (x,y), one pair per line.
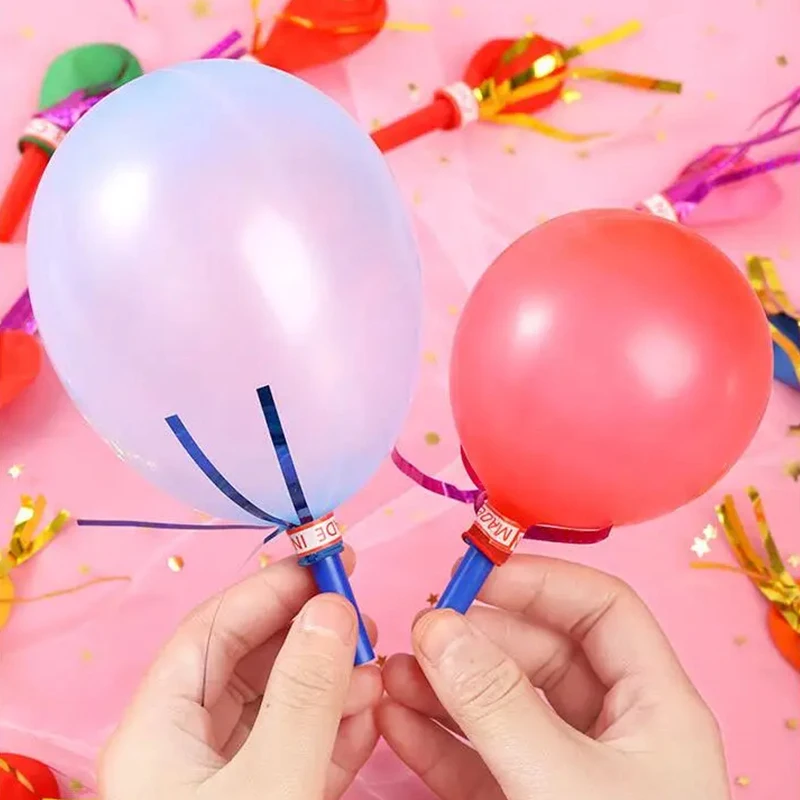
(608,367)
(18,773)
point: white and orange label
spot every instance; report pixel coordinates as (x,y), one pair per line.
(467,103)
(503,533)
(315,536)
(45,131)
(660,207)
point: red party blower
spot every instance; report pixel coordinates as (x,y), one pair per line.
(607,368)
(507,80)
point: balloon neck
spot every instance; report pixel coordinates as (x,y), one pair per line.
(493,534)
(315,537)
(43,133)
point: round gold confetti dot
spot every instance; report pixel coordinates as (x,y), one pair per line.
(739,640)
(710,95)
(15,470)
(792,724)
(263,560)
(742,780)
(86,655)
(432,438)
(388,512)
(781,61)
(175,563)
(429,357)
(453,311)
(509,149)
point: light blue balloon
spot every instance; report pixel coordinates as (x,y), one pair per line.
(207,231)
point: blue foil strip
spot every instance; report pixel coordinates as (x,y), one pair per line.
(167,526)
(285,461)
(197,455)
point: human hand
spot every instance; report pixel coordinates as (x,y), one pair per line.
(245,704)
(623,720)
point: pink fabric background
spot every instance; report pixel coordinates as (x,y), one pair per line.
(68,666)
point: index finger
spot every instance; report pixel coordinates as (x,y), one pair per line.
(616,630)
(197,663)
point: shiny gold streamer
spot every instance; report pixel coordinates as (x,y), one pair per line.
(771,576)
(539,78)
(29,537)
(309,24)
(763,276)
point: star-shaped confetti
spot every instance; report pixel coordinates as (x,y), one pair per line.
(792,469)
(15,470)
(700,547)
(380,661)
(432,599)
(175,563)
(200,8)
(709,532)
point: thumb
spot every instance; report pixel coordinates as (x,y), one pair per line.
(293,736)
(522,741)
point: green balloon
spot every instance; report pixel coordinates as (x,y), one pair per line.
(85,67)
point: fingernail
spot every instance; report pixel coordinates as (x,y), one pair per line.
(331,615)
(438,631)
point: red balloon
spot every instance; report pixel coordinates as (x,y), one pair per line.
(608,367)
(23,778)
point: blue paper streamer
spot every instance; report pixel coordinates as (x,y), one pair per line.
(195,452)
(285,461)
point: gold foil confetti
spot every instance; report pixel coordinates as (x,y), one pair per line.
(75,785)
(432,599)
(413,92)
(84,569)
(781,61)
(570,96)
(87,655)
(541,219)
(380,661)
(793,430)
(583,154)
(792,723)
(389,512)
(343,527)
(794,560)
(588,21)
(416,198)
(529,19)
(509,149)
(432,438)
(444,160)
(710,95)
(429,357)
(742,780)
(15,470)
(709,532)
(739,640)
(175,563)
(200,8)
(263,560)
(661,136)
(453,311)
(374,124)
(700,547)
(27,32)
(792,469)
(710,30)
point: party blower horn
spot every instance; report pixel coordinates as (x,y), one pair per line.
(508,80)
(607,368)
(255,310)
(92,70)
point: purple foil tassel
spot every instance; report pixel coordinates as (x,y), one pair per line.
(67,113)
(20,316)
(476,497)
(724,164)
(222,47)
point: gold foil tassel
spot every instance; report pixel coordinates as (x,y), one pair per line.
(763,276)
(540,77)
(29,537)
(770,576)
